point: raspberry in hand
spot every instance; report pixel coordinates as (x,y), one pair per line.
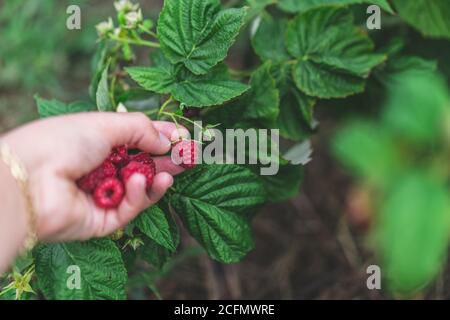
(109,193)
(146,168)
(89,182)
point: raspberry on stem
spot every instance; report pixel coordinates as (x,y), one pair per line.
(109,193)
(185,154)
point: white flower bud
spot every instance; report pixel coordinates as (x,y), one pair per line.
(125,6)
(133,18)
(121,108)
(105,27)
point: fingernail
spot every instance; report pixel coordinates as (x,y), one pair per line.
(164,140)
(179,134)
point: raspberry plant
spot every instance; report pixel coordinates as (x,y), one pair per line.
(305,53)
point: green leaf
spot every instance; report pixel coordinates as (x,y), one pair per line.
(285,184)
(102,272)
(154,79)
(212,201)
(197,33)
(333,56)
(98,64)
(413,231)
(267,42)
(256,7)
(158,226)
(262,101)
(102,97)
(369,152)
(412,111)
(293,6)
(296,120)
(154,254)
(51,108)
(431,17)
(193,90)
(213,88)
(259,106)
(397,65)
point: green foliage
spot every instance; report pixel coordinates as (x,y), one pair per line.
(197,33)
(102,93)
(159,226)
(428,16)
(50,108)
(209,89)
(404,157)
(413,231)
(211,201)
(35,43)
(415,124)
(333,56)
(304,5)
(309,51)
(103,274)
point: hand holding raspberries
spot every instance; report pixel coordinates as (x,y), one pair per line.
(107,182)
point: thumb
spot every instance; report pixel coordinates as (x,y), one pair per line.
(135,130)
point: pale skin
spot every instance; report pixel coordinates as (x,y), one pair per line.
(56,153)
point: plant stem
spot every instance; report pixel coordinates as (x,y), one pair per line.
(149,32)
(151,112)
(112,91)
(172,115)
(136,42)
(165,104)
(240,73)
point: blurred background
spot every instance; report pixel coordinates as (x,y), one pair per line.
(306,248)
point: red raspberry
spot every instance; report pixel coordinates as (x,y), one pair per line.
(109,193)
(187,152)
(142,158)
(89,182)
(146,169)
(119,156)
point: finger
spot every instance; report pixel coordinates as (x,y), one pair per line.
(171,130)
(135,130)
(165,164)
(135,201)
(162,182)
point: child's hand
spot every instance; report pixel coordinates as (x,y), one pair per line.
(59,151)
